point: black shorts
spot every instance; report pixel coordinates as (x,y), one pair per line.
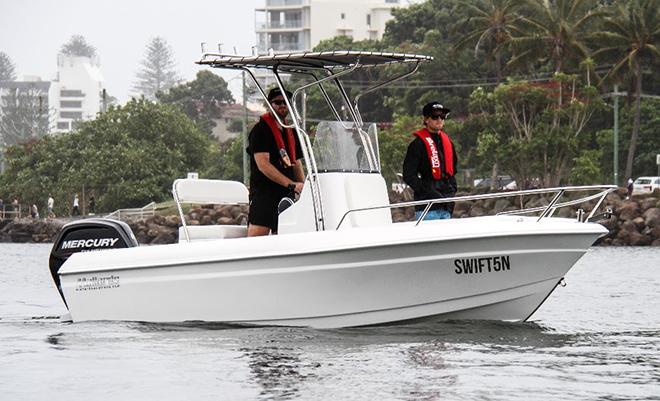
(263,211)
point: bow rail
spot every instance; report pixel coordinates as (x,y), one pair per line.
(546,211)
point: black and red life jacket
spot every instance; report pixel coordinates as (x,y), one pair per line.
(288,155)
(434,157)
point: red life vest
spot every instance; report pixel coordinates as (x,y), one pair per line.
(432,152)
(288,157)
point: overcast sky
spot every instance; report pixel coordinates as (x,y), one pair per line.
(33,31)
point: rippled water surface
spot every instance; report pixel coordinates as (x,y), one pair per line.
(597,338)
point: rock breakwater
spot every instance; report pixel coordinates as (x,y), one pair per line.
(634,222)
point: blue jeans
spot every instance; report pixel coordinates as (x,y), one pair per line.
(434,215)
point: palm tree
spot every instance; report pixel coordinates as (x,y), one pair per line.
(589,65)
(555,30)
(631,36)
(492,22)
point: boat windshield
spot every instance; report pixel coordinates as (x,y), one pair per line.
(340,146)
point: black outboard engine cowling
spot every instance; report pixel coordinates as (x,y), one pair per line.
(88,235)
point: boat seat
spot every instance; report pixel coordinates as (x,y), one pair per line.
(217,192)
(197,233)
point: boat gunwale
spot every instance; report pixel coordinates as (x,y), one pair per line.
(347,247)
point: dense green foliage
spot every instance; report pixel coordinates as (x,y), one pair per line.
(201,99)
(493,59)
(534,130)
(393,143)
(127,157)
(226,161)
(631,39)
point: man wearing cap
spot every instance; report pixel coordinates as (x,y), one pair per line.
(275,166)
(430,163)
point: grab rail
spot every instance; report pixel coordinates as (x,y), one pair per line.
(547,210)
(148,210)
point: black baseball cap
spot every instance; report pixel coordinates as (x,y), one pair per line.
(275,92)
(430,108)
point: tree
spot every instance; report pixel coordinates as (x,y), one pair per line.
(533,129)
(411,24)
(644,162)
(393,143)
(372,106)
(554,31)
(25,113)
(492,24)
(201,99)
(127,157)
(78,46)
(430,28)
(226,161)
(158,73)
(7,68)
(632,36)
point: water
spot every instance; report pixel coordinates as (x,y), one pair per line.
(598,338)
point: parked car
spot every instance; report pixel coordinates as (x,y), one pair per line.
(504,182)
(646,184)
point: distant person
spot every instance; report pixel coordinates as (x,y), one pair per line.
(15,208)
(2,209)
(430,163)
(92,205)
(275,166)
(34,211)
(50,205)
(75,211)
(630,187)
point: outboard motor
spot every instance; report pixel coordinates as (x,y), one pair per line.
(88,235)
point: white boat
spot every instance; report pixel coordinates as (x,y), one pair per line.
(339,260)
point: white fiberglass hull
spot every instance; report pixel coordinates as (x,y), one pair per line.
(497,268)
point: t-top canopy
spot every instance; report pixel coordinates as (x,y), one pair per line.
(311,60)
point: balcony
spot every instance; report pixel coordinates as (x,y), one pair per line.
(281,47)
(283,4)
(277,25)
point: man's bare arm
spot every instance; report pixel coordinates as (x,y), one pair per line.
(298,172)
(264,165)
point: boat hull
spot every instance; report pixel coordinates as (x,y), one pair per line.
(502,276)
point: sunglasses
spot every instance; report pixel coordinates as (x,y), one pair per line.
(438,116)
(278,102)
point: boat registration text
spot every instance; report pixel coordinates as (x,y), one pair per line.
(482,265)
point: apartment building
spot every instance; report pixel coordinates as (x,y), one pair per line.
(78,93)
(32,107)
(296,25)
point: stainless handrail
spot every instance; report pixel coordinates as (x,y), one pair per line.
(603,191)
(557,206)
(132,212)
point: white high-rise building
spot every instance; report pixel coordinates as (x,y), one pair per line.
(294,25)
(77,92)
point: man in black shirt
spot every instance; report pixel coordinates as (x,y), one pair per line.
(430,163)
(275,166)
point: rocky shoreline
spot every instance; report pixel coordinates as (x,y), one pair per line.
(634,222)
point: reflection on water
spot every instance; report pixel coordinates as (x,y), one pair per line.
(279,371)
(492,333)
(55,340)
